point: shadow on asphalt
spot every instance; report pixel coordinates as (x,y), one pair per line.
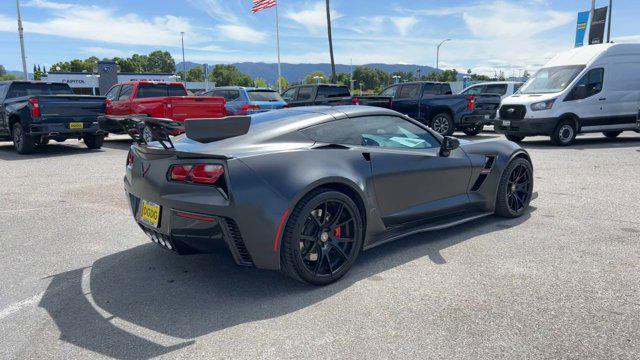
(53,149)
(186,297)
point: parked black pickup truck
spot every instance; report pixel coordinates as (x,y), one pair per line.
(33,112)
(434,104)
(324,94)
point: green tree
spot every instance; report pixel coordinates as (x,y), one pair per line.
(369,78)
(310,79)
(37,73)
(404,76)
(282,82)
(161,62)
(526,74)
(3,71)
(225,75)
(343,79)
(260,82)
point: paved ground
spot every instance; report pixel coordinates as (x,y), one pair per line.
(81,281)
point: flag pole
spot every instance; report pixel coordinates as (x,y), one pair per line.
(278,46)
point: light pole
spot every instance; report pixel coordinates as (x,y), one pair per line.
(438,53)
(396,79)
(184,65)
(609,22)
(317,78)
(333,63)
(21,35)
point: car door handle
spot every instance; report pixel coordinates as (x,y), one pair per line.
(602,99)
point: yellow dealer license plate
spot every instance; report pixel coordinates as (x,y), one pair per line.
(150,213)
(76,125)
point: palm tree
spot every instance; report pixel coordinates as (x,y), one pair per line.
(333,64)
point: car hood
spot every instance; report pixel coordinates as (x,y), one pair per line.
(526,99)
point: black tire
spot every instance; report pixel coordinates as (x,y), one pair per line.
(515,139)
(309,232)
(42,141)
(515,189)
(565,133)
(94,141)
(473,131)
(22,142)
(442,123)
(612,134)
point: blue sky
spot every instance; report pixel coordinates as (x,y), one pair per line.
(486,34)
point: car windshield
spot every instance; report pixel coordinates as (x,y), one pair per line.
(35,89)
(160,90)
(264,95)
(551,79)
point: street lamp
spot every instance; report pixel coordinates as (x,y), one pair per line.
(94,77)
(184,65)
(396,79)
(318,78)
(438,53)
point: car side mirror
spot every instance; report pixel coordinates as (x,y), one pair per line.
(580,92)
(449,143)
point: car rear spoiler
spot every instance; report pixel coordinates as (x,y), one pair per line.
(200,130)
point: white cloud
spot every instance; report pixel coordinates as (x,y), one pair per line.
(312,16)
(627,39)
(217,9)
(44,4)
(100,51)
(404,24)
(241,33)
(106,25)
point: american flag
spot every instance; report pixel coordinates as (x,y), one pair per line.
(262,4)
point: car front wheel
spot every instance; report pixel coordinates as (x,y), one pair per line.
(474,130)
(94,141)
(323,237)
(612,134)
(515,189)
(564,134)
(515,139)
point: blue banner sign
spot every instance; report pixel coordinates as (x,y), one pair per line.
(583,20)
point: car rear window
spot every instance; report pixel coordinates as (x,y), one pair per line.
(333,91)
(264,95)
(159,90)
(35,89)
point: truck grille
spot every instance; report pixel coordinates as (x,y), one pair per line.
(513,112)
(243,256)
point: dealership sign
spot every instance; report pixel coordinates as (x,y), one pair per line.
(581,29)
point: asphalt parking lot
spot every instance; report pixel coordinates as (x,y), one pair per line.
(80,280)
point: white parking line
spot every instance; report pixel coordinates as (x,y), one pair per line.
(15,307)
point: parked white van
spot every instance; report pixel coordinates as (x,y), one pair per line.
(593,88)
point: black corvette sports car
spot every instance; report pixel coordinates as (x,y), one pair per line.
(304,190)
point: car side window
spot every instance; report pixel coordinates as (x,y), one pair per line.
(476,89)
(445,89)
(289,95)
(3,88)
(125,93)
(430,90)
(409,91)
(592,80)
(500,89)
(232,95)
(373,131)
(112,93)
(390,91)
(516,87)
(304,93)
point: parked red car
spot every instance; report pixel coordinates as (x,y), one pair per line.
(168,100)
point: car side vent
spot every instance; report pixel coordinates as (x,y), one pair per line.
(486,170)
(239,249)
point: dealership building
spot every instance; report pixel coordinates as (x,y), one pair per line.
(107,75)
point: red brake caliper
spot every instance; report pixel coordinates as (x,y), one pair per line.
(336,232)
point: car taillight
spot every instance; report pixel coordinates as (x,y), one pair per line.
(108,107)
(130,159)
(472,102)
(199,173)
(247,107)
(355,101)
(35,107)
(286,106)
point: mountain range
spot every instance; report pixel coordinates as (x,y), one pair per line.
(297,72)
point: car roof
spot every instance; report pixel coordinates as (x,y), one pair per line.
(248,88)
(496,83)
(31,82)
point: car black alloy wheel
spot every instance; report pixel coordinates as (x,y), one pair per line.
(515,189)
(327,239)
(323,237)
(518,192)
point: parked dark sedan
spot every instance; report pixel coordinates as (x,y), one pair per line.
(304,190)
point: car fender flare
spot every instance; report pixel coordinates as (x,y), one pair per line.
(575,118)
